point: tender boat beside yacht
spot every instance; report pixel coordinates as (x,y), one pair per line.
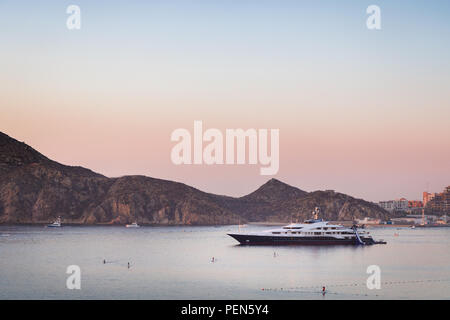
(311,232)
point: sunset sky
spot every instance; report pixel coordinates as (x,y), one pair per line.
(363,112)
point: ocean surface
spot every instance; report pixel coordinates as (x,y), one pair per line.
(176,263)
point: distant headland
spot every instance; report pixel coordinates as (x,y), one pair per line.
(35,189)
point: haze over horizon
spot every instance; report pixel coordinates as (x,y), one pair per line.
(362,112)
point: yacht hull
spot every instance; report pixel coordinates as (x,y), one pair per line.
(247,239)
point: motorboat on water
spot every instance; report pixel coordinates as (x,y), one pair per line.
(55,224)
(311,232)
(133,225)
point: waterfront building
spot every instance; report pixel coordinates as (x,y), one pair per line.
(415,204)
(368,220)
(437,203)
(394,205)
(426,197)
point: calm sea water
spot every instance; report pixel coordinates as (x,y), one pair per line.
(175,263)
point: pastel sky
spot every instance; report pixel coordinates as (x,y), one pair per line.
(364,112)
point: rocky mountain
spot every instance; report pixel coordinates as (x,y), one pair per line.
(35,189)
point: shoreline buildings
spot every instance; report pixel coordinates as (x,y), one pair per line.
(432,203)
(437,203)
(394,205)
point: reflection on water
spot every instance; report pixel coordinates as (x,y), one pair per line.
(176,263)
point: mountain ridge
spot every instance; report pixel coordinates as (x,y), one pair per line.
(36,189)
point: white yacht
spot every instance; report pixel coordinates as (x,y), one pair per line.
(55,224)
(311,232)
(133,225)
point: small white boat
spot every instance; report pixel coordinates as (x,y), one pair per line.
(133,225)
(55,224)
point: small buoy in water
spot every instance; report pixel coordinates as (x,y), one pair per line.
(323,290)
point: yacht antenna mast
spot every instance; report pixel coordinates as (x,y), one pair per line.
(316,213)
